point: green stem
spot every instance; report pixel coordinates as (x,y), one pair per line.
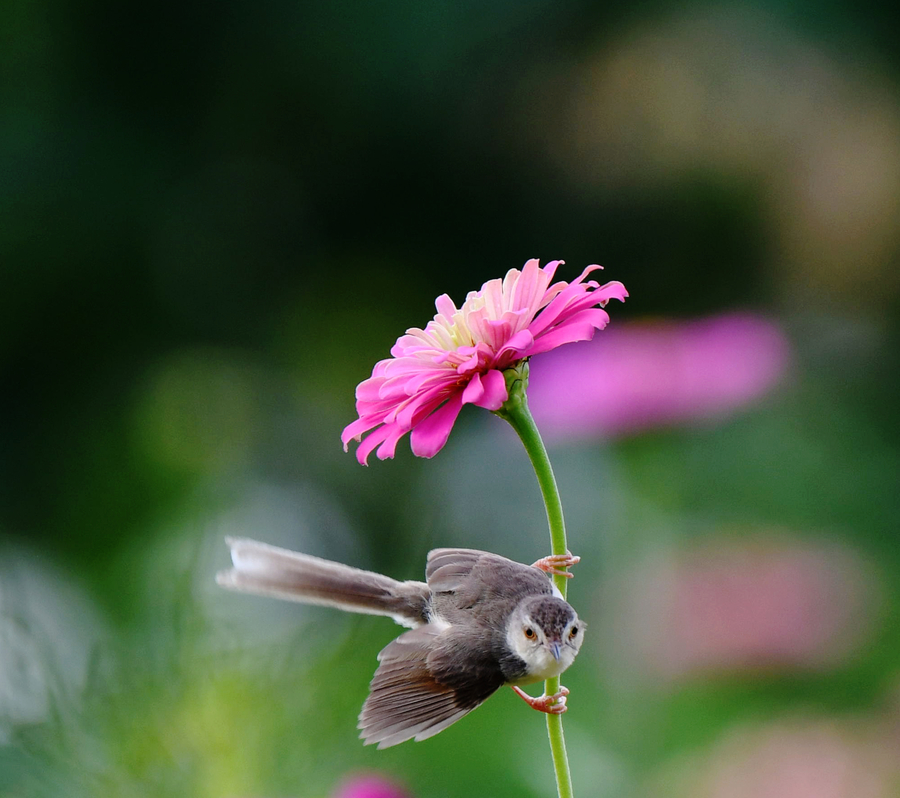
(515,411)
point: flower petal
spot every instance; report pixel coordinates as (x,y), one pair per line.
(580,327)
(530,289)
(515,349)
(473,391)
(372,440)
(494,394)
(387,449)
(571,300)
(613,290)
(429,435)
(422,404)
(355,429)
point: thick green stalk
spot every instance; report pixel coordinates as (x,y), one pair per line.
(515,411)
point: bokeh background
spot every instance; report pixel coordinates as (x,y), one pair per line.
(216,219)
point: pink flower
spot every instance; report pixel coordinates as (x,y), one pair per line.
(799,758)
(371,786)
(657,374)
(758,604)
(460,356)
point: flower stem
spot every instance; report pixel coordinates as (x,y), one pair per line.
(515,411)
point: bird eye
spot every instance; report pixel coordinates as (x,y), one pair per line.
(574,633)
(530,633)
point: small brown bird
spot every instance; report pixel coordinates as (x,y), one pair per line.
(479,621)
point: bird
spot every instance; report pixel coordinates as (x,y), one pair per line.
(477,623)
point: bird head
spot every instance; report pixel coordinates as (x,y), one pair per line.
(546,634)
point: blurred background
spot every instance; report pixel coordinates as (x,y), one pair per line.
(216,219)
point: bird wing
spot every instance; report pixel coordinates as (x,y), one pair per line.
(479,586)
(424,683)
(448,569)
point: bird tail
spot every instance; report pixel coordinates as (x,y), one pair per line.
(271,571)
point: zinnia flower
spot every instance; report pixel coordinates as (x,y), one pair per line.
(460,356)
(370,786)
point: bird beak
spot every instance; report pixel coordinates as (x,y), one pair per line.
(555,649)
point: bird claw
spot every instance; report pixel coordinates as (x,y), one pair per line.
(551,704)
(555,563)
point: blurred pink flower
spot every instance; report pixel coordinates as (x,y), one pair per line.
(801,759)
(655,374)
(459,357)
(748,605)
(369,786)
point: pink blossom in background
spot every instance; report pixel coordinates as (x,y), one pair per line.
(653,374)
(370,786)
(801,759)
(460,355)
(755,604)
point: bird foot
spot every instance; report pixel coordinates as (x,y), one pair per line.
(551,704)
(555,563)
